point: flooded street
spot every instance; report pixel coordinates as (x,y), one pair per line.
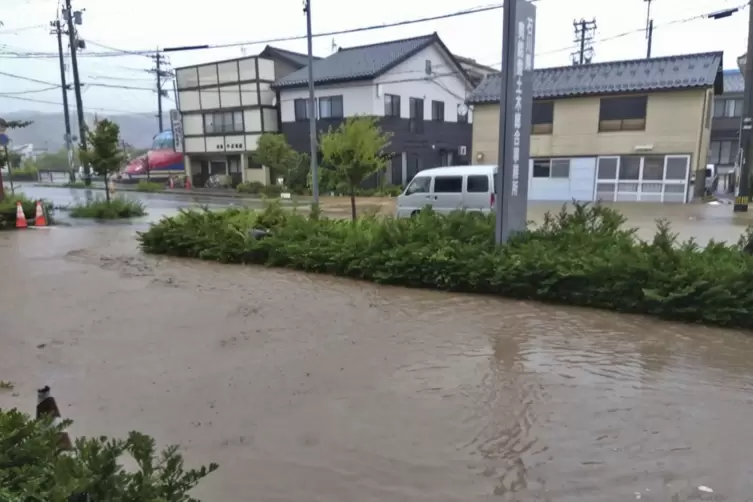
(310,388)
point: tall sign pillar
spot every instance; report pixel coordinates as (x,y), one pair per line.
(516,98)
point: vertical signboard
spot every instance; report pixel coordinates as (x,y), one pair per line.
(516,99)
(177,127)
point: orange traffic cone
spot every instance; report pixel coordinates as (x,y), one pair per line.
(40,220)
(20,216)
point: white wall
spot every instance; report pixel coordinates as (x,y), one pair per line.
(407,80)
(579,185)
(358,98)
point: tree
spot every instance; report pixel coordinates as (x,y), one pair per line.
(9,124)
(104,156)
(275,153)
(356,151)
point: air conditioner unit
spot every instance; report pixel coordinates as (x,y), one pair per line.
(462,150)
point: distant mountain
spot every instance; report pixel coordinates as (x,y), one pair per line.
(47,131)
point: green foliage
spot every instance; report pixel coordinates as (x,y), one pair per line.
(105,155)
(355,151)
(74,184)
(15,159)
(32,467)
(116,208)
(274,152)
(582,257)
(259,188)
(56,161)
(26,172)
(149,186)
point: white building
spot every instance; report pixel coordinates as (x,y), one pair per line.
(225,107)
(416,86)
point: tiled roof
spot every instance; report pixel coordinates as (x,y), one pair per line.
(733,81)
(297,58)
(641,75)
(360,63)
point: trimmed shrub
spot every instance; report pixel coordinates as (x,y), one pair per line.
(116,208)
(251,187)
(33,467)
(580,257)
(149,186)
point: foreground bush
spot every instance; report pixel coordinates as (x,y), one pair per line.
(585,257)
(149,186)
(116,208)
(33,468)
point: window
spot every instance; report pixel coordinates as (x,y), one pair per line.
(630,168)
(551,168)
(448,184)
(653,167)
(223,122)
(437,111)
(391,105)
(331,107)
(428,67)
(542,117)
(478,184)
(722,152)
(419,185)
(462,118)
(623,114)
(416,115)
(728,108)
(301,109)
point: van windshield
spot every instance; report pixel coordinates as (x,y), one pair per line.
(419,185)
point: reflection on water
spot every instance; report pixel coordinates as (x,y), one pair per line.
(313,388)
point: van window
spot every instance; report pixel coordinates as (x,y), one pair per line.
(418,185)
(478,184)
(448,184)
(708,173)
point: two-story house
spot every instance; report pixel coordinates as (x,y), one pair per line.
(225,106)
(416,86)
(618,131)
(725,127)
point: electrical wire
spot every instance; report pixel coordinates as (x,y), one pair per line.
(87,84)
(57,103)
(32,91)
(406,22)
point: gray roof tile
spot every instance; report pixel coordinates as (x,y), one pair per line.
(356,63)
(733,81)
(297,58)
(673,72)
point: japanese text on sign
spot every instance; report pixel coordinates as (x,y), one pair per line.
(520,66)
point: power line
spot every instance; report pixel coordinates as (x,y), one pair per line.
(406,22)
(31,91)
(57,103)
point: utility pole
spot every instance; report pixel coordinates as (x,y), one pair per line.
(743,195)
(73,19)
(160,73)
(66,113)
(312,105)
(649,28)
(584,36)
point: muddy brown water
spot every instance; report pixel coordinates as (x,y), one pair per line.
(308,388)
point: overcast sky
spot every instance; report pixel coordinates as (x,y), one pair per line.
(146,24)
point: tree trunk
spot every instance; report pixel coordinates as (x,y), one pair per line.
(107,188)
(353,202)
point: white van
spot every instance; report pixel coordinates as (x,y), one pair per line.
(447,189)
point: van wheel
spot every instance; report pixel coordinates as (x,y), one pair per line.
(414,214)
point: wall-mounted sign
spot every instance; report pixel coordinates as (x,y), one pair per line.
(177,127)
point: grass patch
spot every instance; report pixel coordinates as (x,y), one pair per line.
(584,257)
(6,385)
(116,208)
(8,208)
(149,186)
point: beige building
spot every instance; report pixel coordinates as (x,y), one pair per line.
(618,131)
(225,107)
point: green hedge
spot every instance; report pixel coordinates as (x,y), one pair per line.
(114,209)
(583,257)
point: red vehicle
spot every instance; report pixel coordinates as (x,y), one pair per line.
(161,161)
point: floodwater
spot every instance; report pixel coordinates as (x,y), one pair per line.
(309,388)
